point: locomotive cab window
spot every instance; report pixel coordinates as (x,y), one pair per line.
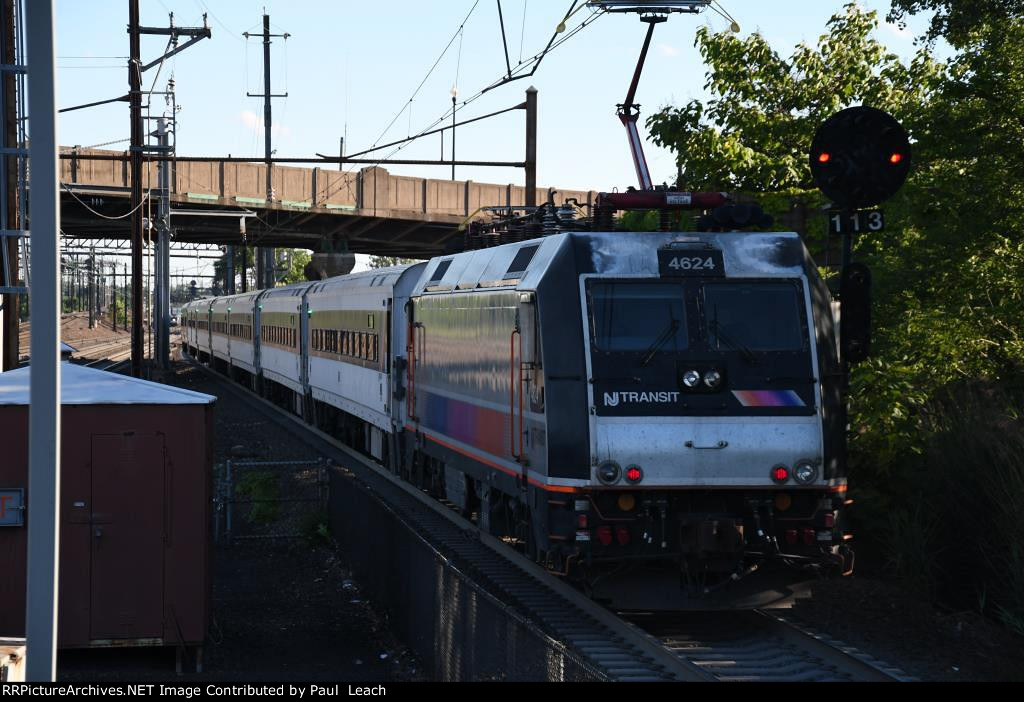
(756,316)
(637,317)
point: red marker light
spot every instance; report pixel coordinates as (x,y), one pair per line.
(780,474)
(825,157)
(896,159)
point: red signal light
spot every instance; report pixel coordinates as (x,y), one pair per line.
(780,474)
(604,535)
(634,474)
(896,159)
(825,157)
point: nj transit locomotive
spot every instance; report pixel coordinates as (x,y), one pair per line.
(630,408)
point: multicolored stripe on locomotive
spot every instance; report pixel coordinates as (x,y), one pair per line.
(663,407)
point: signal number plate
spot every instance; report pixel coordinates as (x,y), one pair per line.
(840,223)
(683,264)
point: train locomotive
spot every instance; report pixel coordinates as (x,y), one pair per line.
(656,416)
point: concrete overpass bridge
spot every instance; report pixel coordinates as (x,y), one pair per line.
(369,211)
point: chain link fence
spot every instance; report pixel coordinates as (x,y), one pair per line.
(259,500)
(459,629)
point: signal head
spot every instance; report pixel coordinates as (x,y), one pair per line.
(860,157)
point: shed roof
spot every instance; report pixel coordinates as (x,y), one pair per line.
(87,386)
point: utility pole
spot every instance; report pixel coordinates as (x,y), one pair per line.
(265,275)
(135,107)
(90,296)
(44,385)
(531,147)
(11,163)
(127,293)
(135,71)
(162,308)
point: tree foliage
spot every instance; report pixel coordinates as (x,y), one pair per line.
(958,21)
(389,261)
(294,262)
(753,134)
(948,271)
(946,299)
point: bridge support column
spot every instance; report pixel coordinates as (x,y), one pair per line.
(229,271)
(330,265)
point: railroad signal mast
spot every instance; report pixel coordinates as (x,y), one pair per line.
(860,157)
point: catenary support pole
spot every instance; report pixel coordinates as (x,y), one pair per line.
(90,294)
(265,275)
(162,311)
(531,147)
(10,315)
(44,411)
(135,101)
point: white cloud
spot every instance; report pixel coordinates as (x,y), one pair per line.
(668,50)
(251,120)
(254,122)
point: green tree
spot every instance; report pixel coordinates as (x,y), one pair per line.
(753,135)
(389,261)
(294,261)
(958,21)
(949,303)
(220,269)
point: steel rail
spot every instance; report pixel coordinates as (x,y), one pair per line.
(618,648)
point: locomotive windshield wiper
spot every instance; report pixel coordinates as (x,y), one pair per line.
(732,343)
(670,331)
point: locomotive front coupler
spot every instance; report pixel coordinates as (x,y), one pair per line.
(767,541)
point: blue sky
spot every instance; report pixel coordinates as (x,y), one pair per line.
(354,65)
(350,67)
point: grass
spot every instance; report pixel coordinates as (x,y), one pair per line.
(260,486)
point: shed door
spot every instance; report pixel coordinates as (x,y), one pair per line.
(127,537)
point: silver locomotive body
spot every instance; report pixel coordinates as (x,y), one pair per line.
(656,415)
(616,399)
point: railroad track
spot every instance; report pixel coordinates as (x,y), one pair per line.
(107,356)
(703,646)
(761,646)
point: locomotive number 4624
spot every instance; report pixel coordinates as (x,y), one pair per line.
(707,263)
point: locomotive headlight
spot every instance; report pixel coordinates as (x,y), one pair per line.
(712,379)
(805,472)
(609,472)
(691,379)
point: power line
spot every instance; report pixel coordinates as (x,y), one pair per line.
(101,215)
(517,73)
(206,8)
(522,31)
(429,73)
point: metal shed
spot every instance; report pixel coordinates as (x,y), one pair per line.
(136,466)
